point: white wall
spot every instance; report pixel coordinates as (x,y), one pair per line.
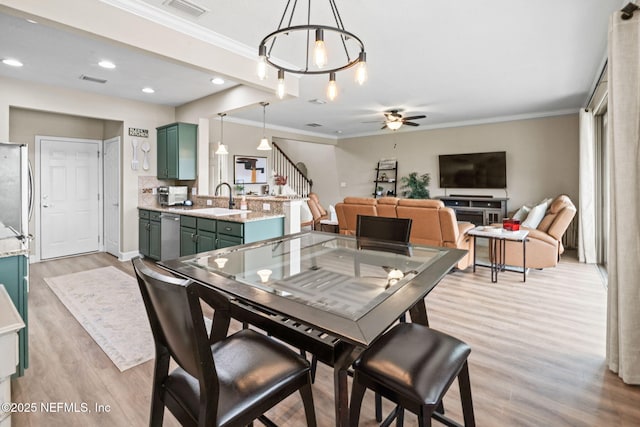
(542,157)
(316,153)
(16,93)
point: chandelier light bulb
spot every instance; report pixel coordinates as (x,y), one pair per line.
(280,89)
(262,62)
(361,68)
(332,87)
(320,51)
(394,125)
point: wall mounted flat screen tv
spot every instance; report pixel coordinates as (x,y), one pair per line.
(473,170)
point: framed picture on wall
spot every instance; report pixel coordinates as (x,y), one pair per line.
(249,170)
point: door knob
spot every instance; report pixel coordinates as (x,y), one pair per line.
(45,205)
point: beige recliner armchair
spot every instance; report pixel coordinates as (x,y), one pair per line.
(544,246)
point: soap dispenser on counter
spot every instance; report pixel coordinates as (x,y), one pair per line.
(243,203)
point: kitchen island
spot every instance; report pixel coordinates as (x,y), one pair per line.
(189,230)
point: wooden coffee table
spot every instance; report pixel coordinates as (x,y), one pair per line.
(497,238)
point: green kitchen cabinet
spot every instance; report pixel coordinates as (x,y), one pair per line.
(149,237)
(177,151)
(236,233)
(196,235)
(14,275)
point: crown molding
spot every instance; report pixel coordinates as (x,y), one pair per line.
(184,26)
(488,120)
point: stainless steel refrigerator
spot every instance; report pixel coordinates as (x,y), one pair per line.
(15,202)
(15,191)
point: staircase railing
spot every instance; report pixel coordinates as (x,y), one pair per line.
(283,165)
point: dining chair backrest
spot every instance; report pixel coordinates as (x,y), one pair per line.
(389,229)
(176,319)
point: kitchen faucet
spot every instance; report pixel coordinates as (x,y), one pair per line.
(231,203)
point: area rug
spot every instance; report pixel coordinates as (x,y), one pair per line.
(108,304)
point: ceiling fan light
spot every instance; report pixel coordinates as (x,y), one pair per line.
(394,125)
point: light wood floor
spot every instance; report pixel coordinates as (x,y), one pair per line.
(537,355)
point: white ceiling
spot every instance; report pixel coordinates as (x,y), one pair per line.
(458,62)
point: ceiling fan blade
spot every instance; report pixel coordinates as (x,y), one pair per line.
(384,127)
(416,117)
(411,124)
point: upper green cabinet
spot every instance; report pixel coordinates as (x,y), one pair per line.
(177,151)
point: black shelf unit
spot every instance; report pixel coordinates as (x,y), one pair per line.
(387,178)
(478,210)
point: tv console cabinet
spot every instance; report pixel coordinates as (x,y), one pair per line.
(478,210)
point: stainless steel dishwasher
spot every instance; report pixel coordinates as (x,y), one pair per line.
(169,236)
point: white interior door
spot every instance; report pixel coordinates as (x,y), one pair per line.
(69,197)
(111,161)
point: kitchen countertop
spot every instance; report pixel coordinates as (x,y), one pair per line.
(12,246)
(249,216)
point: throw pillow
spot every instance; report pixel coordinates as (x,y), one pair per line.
(305,213)
(333,216)
(521,214)
(535,216)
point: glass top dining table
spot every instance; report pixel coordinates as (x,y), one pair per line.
(350,289)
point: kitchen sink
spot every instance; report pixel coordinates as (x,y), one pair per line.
(220,211)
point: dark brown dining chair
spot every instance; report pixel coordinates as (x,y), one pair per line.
(413,366)
(221,381)
(373,228)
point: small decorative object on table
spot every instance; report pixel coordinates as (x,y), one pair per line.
(511,224)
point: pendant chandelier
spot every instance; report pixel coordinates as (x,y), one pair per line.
(264,142)
(222,149)
(348,49)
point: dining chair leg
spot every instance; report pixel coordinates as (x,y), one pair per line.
(378,407)
(465,396)
(357,394)
(424,419)
(161,370)
(314,367)
(307,401)
(400,417)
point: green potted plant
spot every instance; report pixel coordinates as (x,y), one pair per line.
(239,189)
(414,186)
(379,190)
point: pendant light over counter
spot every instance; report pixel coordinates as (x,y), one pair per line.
(344,44)
(264,142)
(222,149)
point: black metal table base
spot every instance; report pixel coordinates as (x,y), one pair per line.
(497,249)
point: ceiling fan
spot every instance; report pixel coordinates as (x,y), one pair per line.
(394,120)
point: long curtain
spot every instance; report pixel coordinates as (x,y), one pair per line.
(623,317)
(587,209)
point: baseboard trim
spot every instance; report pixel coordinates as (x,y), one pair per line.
(128,256)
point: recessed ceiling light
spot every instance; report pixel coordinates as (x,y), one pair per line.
(217,81)
(148,90)
(12,62)
(107,64)
(31,21)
